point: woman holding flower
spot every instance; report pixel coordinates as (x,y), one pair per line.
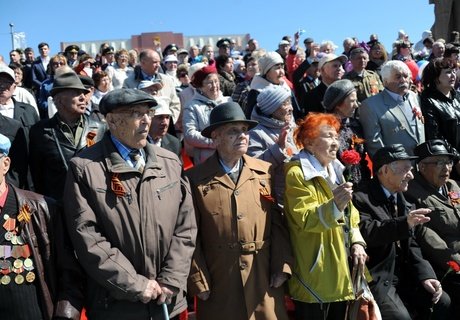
(341,100)
(323,223)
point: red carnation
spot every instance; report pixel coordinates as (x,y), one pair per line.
(453,265)
(350,157)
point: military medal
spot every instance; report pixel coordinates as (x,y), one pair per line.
(30,276)
(5,280)
(19,251)
(28,264)
(19,279)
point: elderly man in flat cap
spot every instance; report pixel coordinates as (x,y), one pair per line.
(130,216)
(399,271)
(33,285)
(53,142)
(432,188)
(243,253)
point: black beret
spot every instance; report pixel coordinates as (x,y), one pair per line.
(125,98)
(389,154)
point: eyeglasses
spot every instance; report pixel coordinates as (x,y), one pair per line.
(137,115)
(441,163)
(183,75)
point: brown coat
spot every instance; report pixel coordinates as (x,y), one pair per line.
(123,241)
(241,242)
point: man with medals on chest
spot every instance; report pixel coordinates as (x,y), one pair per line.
(28,279)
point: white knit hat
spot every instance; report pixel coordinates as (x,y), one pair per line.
(271,98)
(269,60)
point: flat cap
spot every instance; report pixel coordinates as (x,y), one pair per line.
(308,40)
(388,154)
(434,147)
(125,98)
(5,145)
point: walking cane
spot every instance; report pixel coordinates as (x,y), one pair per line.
(165,311)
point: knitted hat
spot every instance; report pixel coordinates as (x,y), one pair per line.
(269,60)
(336,93)
(271,98)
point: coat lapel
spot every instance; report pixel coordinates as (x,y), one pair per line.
(393,108)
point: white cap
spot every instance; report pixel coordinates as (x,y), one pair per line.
(5,69)
(163,106)
(170,58)
(145,84)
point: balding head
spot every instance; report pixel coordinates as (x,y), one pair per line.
(149,61)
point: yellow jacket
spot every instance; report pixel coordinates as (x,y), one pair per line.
(320,234)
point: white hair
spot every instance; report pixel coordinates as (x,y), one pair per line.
(393,65)
(327,43)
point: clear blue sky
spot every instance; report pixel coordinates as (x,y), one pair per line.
(267,21)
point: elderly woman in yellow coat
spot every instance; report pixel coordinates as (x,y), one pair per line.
(323,223)
(242,257)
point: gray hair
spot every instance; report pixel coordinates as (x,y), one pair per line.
(393,65)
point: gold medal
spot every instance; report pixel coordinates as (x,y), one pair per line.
(18,263)
(30,276)
(5,280)
(14,239)
(19,279)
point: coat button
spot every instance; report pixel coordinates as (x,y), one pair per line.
(243,266)
(262,183)
(386,283)
(239,216)
(237,192)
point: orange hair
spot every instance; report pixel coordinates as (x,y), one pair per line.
(308,127)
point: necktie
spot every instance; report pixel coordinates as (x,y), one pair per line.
(234,176)
(137,159)
(393,206)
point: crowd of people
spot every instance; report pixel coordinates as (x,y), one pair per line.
(240,184)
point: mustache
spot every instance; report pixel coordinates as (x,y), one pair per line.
(403,85)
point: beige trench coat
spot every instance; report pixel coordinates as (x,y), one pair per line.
(242,240)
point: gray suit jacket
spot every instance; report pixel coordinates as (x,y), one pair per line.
(384,123)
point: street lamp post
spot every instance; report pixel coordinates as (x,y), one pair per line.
(12,35)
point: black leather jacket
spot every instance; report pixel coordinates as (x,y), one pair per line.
(50,152)
(58,273)
(442,116)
